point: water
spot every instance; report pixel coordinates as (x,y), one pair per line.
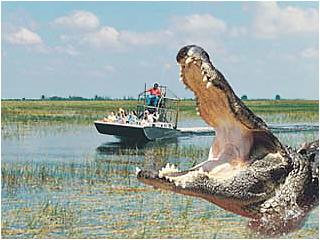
(62,181)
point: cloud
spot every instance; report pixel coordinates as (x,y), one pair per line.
(205,30)
(271,21)
(145,38)
(23,36)
(82,20)
(200,23)
(167,66)
(309,53)
(70,50)
(238,31)
(194,28)
(104,37)
(108,68)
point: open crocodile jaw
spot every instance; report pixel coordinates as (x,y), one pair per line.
(185,185)
(241,138)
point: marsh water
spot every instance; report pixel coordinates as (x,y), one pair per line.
(68,181)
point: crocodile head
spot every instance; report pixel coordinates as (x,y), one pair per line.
(248,171)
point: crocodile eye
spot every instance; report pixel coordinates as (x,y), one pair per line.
(259,187)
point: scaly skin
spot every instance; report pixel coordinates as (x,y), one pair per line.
(248,172)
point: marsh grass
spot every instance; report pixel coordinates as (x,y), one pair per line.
(88,111)
(98,195)
(41,221)
(60,111)
(101,198)
(280,111)
(102,170)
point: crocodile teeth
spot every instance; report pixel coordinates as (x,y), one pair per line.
(209,84)
(167,170)
(204,66)
(188,60)
(205,78)
(138,170)
(181,78)
(198,113)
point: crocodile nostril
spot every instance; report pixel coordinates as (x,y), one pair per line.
(183,52)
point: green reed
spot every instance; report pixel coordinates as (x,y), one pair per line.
(40,221)
(87,111)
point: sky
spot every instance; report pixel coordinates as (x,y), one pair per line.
(113,48)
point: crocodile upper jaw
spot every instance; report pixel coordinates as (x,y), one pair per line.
(241,139)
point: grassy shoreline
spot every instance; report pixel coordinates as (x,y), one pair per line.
(88,111)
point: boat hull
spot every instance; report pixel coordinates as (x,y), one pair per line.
(135,132)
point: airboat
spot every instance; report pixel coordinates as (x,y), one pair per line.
(167,110)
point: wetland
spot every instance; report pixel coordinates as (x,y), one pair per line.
(61,179)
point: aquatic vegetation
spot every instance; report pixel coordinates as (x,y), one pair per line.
(85,112)
(41,221)
(66,181)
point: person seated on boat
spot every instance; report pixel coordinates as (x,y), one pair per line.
(110,118)
(132,117)
(145,119)
(150,117)
(121,117)
(155,117)
(153,96)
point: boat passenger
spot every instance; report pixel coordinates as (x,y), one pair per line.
(120,118)
(155,117)
(111,117)
(153,96)
(132,118)
(150,118)
(145,120)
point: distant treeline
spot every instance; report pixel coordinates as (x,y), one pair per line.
(70,98)
(101,98)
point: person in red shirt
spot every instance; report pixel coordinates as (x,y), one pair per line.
(154,95)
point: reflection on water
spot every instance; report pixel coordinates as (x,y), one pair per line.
(61,181)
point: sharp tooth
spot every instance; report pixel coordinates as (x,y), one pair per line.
(167,166)
(194,62)
(205,78)
(198,113)
(209,84)
(138,170)
(204,66)
(188,60)
(181,78)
